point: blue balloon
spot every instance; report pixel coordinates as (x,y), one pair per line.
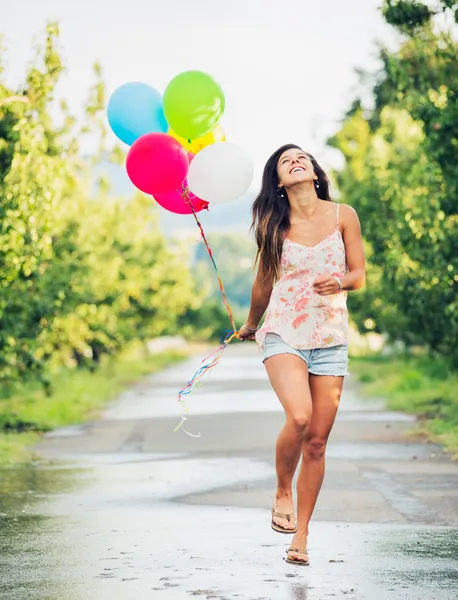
(135,109)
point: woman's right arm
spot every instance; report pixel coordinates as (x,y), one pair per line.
(260,297)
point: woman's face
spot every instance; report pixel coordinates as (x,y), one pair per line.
(294,166)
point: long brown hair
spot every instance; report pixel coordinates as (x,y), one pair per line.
(271,212)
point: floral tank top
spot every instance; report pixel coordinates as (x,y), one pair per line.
(300,316)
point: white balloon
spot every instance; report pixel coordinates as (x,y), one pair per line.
(220,172)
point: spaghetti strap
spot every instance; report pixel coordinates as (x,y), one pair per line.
(337,214)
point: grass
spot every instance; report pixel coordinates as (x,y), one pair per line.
(15,448)
(423,385)
(76,396)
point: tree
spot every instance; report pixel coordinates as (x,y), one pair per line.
(79,275)
(401,175)
(235,257)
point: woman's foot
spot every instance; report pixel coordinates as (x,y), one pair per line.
(297,556)
(283,518)
(297,553)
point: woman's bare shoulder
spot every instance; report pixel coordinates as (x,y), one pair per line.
(347,212)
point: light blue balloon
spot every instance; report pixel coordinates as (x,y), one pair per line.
(135,109)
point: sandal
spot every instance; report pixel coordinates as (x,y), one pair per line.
(279,528)
(295,561)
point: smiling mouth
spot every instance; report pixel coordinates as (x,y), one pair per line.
(297,169)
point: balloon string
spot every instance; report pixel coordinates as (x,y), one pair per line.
(210,253)
(213,359)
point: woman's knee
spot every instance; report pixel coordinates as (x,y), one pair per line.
(315,446)
(300,421)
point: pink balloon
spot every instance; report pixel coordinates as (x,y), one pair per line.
(174,202)
(190,156)
(157,163)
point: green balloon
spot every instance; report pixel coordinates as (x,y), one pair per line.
(193,104)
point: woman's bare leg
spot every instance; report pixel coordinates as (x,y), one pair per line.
(289,377)
(325,391)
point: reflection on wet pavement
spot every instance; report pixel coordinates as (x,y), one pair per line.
(124,510)
(118,537)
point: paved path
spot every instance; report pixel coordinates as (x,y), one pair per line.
(128,509)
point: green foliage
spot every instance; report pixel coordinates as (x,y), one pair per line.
(80,276)
(423,385)
(14,449)
(209,321)
(75,396)
(401,175)
(406,15)
(411,17)
(31,186)
(234,255)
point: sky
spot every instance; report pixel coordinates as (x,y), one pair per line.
(287,68)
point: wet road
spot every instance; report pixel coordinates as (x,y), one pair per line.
(123,508)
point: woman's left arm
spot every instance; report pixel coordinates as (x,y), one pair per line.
(355,278)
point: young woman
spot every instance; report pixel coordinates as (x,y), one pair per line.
(310,255)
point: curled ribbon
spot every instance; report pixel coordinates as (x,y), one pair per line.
(213,359)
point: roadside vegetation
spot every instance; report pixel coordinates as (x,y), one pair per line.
(401,175)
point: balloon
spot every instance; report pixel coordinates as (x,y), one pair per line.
(193,104)
(135,109)
(174,202)
(195,146)
(157,164)
(220,173)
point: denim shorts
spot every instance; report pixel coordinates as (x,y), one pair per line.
(320,361)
